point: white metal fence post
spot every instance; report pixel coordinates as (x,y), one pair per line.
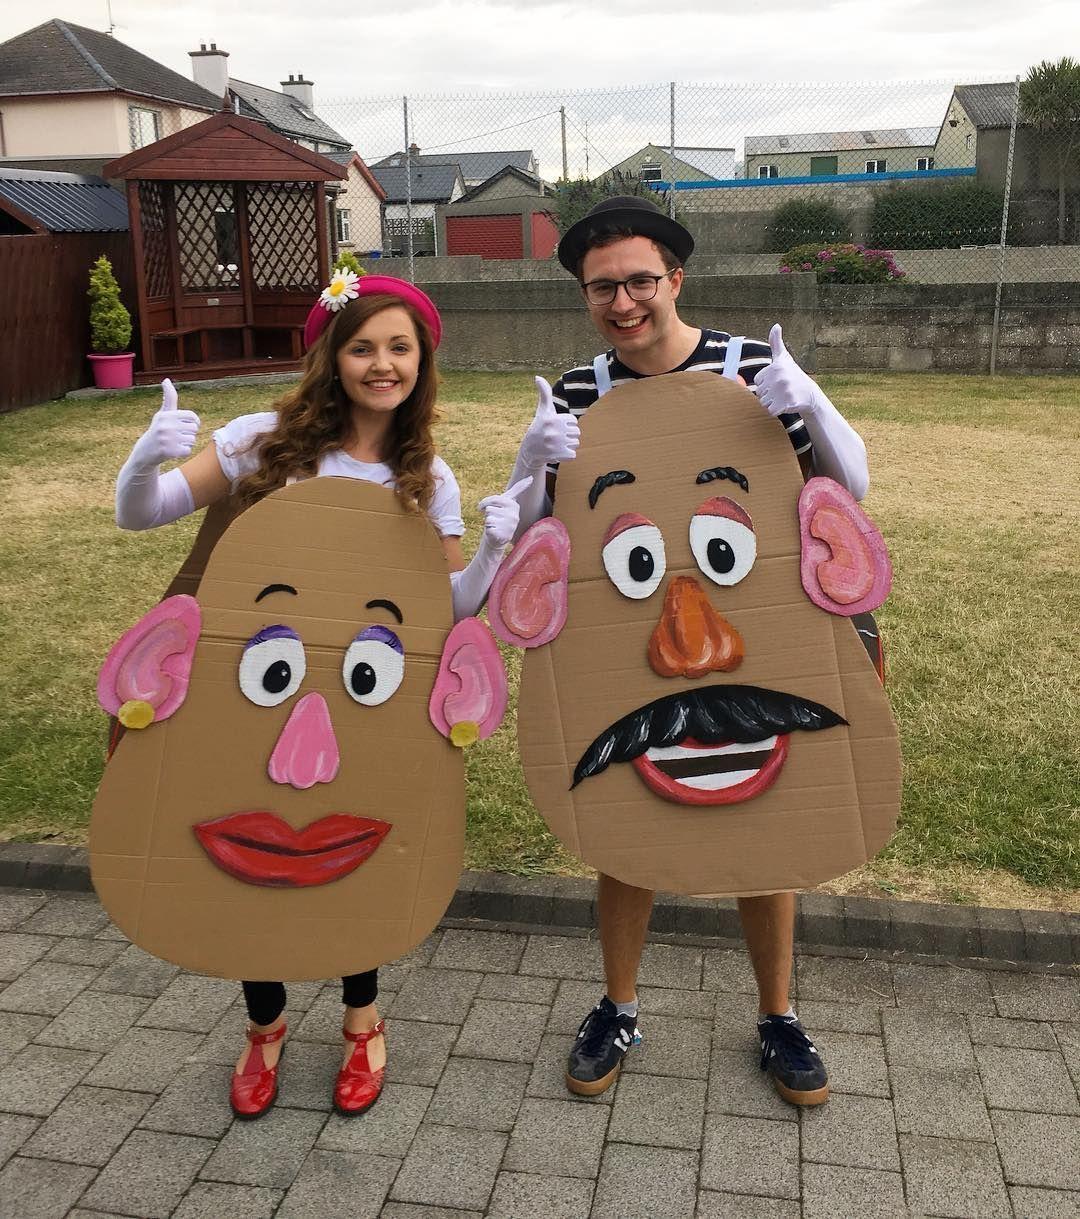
(408,190)
(1004,230)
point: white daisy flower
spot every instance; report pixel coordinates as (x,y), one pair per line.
(342,289)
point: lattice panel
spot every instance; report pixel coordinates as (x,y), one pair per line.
(155,239)
(281,222)
(206,234)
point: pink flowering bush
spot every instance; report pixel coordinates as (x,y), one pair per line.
(842,263)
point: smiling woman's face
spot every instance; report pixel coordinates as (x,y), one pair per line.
(298,816)
(699,725)
(379,365)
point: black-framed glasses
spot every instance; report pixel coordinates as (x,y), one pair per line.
(638,288)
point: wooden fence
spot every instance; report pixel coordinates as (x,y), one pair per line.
(44,312)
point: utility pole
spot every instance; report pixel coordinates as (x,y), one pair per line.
(586,148)
(562,118)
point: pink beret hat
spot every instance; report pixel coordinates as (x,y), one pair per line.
(346,286)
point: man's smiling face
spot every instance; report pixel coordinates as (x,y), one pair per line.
(719,732)
(632,326)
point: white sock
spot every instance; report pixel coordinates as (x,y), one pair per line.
(627,1009)
(788,1015)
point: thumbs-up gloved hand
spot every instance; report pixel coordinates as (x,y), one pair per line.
(783,388)
(501,513)
(550,436)
(145,497)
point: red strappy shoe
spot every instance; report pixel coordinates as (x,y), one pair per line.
(358,1086)
(254,1089)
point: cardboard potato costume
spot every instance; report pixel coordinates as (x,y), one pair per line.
(697,713)
(286,801)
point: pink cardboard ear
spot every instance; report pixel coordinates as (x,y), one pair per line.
(470,694)
(145,676)
(527,603)
(845,566)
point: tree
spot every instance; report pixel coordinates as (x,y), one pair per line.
(574,197)
(110,322)
(1050,102)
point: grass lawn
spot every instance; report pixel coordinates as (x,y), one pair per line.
(973,482)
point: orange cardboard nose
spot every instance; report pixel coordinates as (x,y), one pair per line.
(691,638)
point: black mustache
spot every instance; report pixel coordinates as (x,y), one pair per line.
(711,715)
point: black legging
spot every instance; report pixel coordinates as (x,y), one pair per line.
(266,1000)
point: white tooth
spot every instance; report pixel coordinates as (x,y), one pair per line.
(712,783)
(671,752)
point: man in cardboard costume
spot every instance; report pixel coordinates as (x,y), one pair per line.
(287,801)
(628,258)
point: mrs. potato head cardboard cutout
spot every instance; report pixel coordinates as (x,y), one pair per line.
(287,801)
(697,713)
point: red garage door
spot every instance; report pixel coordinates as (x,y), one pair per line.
(488,236)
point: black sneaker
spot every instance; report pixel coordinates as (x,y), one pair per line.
(599,1048)
(791,1058)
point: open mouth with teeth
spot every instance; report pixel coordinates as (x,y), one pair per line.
(725,773)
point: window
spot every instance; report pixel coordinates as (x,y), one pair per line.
(876,167)
(649,173)
(924,162)
(822,167)
(768,171)
(144,125)
(343,228)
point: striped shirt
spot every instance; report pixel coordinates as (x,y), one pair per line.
(575,390)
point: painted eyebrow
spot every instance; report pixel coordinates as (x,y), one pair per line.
(276,588)
(722,472)
(382,603)
(611,479)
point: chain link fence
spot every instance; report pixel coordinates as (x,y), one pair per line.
(957,182)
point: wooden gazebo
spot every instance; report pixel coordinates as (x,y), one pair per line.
(230,245)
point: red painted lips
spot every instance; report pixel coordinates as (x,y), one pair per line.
(725,773)
(262,849)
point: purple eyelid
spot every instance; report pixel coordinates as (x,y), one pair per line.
(381,634)
(271,632)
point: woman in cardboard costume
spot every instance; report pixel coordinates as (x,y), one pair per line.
(363,412)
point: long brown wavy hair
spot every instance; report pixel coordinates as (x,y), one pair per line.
(316,417)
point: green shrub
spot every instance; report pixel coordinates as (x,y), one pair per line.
(937,218)
(110,322)
(575,197)
(842,263)
(805,220)
(347,261)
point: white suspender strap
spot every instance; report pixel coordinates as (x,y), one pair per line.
(602,374)
(733,356)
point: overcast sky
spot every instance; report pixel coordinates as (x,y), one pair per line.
(424,47)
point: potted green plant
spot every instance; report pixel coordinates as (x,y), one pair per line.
(110,330)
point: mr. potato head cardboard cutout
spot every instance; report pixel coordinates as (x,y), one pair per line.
(287,801)
(697,712)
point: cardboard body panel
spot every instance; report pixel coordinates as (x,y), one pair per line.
(340,543)
(835,799)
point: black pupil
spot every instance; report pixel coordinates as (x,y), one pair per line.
(363,679)
(641,564)
(721,556)
(277,677)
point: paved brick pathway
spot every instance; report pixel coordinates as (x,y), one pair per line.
(954,1089)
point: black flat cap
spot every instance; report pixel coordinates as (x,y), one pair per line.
(640,216)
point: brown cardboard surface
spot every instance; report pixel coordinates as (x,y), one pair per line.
(836,798)
(341,543)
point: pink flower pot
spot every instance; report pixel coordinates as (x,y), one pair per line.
(113,372)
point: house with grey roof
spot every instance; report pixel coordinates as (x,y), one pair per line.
(476,167)
(427,186)
(824,154)
(654,163)
(73,94)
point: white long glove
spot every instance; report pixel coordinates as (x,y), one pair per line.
(145,497)
(783,388)
(501,515)
(550,437)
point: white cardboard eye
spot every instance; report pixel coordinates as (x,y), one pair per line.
(724,549)
(385,668)
(635,561)
(272,671)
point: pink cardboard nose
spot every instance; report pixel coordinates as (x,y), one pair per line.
(306,753)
